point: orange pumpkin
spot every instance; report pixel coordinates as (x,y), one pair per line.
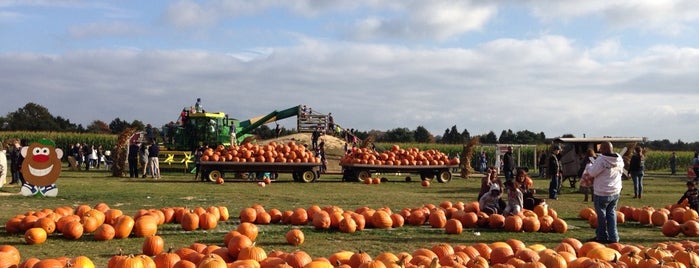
(690,228)
(237,243)
(208,221)
(123,227)
(36,235)
(453,226)
(496,221)
(166,259)
(146,225)
(248,229)
(252,253)
(190,221)
(73,230)
(671,228)
(153,245)
(295,237)
(104,232)
(513,223)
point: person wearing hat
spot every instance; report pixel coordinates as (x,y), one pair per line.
(554,172)
(490,203)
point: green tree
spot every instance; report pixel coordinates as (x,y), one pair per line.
(32,117)
(489,138)
(138,125)
(118,126)
(399,135)
(423,135)
(465,136)
(98,127)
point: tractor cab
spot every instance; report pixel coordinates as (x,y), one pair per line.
(198,129)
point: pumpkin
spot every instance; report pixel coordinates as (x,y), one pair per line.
(36,235)
(559,226)
(552,259)
(496,221)
(212,261)
(28,263)
(295,237)
(437,219)
(690,228)
(453,226)
(417,218)
(49,263)
(603,253)
(73,230)
(130,261)
(237,243)
(381,219)
(501,255)
(425,183)
(153,245)
(321,220)
(530,224)
(166,259)
(298,259)
(104,232)
(658,218)
(358,258)
(248,229)
(82,262)
(527,255)
(546,223)
(123,226)
(46,223)
(687,257)
(347,225)
(689,214)
(398,220)
(184,264)
(671,228)
(208,221)
(513,223)
(248,215)
(359,220)
(190,221)
(114,260)
(145,225)
(9,256)
(299,216)
(252,253)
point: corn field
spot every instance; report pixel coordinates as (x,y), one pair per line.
(63,140)
(525,156)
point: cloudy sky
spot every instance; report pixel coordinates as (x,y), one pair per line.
(594,67)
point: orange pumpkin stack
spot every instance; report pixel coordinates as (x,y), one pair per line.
(398,157)
(254,153)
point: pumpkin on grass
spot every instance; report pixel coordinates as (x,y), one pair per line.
(36,235)
(295,237)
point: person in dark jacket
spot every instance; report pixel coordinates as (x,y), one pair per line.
(133,160)
(692,196)
(554,172)
(508,164)
(153,162)
(636,168)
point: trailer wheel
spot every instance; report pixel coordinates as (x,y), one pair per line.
(444,176)
(308,176)
(214,175)
(363,175)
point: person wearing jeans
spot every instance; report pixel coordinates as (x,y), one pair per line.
(554,172)
(606,171)
(636,168)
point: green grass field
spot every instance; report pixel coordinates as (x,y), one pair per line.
(176,189)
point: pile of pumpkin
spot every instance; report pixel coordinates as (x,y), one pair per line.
(271,153)
(452,216)
(107,223)
(398,157)
(239,250)
(672,219)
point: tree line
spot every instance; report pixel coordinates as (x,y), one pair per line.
(34,117)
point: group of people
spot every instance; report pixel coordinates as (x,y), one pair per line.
(146,154)
(12,152)
(89,155)
(601,177)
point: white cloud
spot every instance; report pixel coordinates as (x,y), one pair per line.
(102,29)
(189,14)
(669,17)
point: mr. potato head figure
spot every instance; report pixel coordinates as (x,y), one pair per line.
(41,168)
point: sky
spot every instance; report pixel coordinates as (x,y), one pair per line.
(623,68)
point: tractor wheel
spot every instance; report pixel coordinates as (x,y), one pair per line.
(363,175)
(308,176)
(444,176)
(214,175)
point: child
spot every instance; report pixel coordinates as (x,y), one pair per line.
(515,200)
(692,196)
(490,201)
(586,179)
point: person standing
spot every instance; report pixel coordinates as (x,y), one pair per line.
(133,160)
(636,168)
(554,172)
(314,138)
(16,158)
(508,164)
(482,161)
(695,166)
(143,158)
(673,163)
(153,162)
(331,124)
(606,171)
(3,166)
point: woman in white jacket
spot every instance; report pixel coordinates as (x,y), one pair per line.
(606,171)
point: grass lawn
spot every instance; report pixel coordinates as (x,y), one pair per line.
(177,189)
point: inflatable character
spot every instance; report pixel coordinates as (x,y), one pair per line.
(41,168)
